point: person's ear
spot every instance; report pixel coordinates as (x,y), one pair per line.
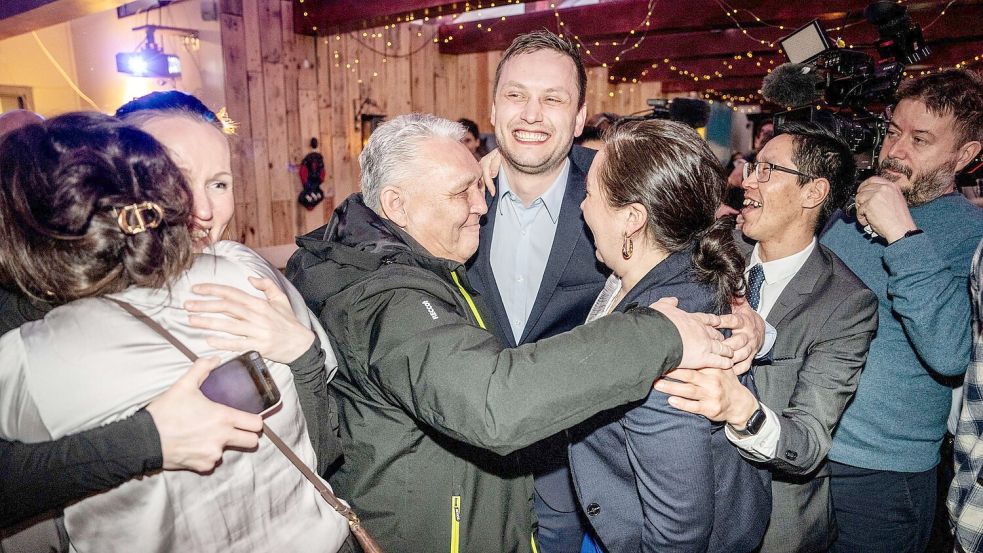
(967,152)
(580,121)
(392,201)
(814,193)
(636,216)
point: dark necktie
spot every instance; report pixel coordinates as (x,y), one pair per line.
(755,278)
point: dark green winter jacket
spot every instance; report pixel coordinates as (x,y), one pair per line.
(431,403)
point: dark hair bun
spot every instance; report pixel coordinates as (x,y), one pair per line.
(62,184)
(669,169)
(718,260)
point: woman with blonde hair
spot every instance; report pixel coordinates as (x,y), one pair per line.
(94,210)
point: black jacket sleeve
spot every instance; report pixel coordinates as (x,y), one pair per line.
(36,478)
(319,408)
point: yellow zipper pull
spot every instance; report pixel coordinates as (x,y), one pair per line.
(467,298)
(455,524)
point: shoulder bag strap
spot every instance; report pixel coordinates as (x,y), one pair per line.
(369,545)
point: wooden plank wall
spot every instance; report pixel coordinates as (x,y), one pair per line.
(284,89)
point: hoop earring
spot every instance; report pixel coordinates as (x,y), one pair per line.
(627,248)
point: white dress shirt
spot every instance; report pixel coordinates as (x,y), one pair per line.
(521,243)
(778,273)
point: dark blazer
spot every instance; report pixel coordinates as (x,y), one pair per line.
(825,318)
(572,280)
(653,478)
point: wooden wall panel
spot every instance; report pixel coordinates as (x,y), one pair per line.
(285,89)
(237,101)
(422,74)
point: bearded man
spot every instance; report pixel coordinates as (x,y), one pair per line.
(911,243)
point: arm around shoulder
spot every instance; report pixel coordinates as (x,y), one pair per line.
(36,478)
(458,379)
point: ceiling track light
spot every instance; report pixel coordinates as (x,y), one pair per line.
(150,60)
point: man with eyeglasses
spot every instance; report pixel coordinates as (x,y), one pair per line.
(825,318)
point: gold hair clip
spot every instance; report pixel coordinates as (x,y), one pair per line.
(137,218)
(228,125)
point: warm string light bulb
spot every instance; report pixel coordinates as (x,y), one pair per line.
(638,34)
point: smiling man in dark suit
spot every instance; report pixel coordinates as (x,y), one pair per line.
(825,318)
(535,265)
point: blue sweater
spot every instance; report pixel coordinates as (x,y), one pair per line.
(897,419)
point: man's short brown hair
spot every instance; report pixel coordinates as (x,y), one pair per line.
(545,40)
(956,92)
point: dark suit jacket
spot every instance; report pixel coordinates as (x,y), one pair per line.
(825,318)
(653,478)
(572,280)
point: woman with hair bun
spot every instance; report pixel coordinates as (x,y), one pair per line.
(651,477)
(181,429)
(93,210)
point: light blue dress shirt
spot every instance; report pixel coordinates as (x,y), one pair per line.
(521,243)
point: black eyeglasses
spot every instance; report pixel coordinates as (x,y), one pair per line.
(762,170)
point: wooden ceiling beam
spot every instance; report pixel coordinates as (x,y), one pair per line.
(621,17)
(679,47)
(944,54)
(342,16)
(22,16)
(682,16)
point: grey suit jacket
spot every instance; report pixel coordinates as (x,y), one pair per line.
(825,319)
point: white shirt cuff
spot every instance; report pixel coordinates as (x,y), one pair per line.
(769,342)
(761,446)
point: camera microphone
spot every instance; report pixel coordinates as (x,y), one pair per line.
(792,85)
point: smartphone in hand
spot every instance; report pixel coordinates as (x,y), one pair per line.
(243,383)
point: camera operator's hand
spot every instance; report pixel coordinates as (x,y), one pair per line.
(881,205)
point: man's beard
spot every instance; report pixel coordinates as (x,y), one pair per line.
(927,186)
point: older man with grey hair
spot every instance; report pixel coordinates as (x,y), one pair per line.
(430,401)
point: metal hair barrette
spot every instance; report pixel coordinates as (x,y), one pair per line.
(228,125)
(137,218)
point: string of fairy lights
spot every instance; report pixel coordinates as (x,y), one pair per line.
(387,44)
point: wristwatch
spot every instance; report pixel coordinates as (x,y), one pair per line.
(753,424)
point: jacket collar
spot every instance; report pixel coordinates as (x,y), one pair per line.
(667,271)
(357,235)
(816,267)
(569,231)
